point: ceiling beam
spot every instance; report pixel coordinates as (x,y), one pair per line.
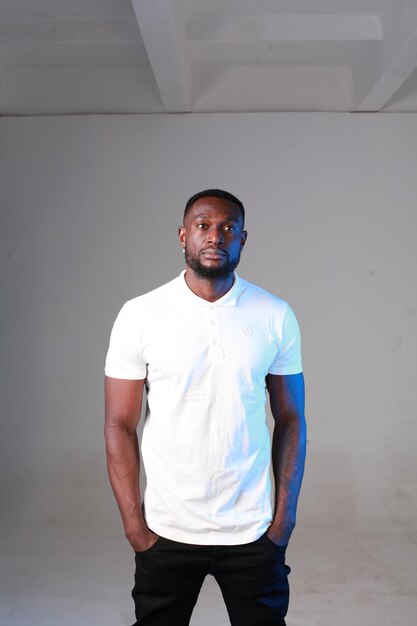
(392,77)
(162,25)
(377,78)
(285,28)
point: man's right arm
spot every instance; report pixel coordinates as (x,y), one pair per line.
(123,403)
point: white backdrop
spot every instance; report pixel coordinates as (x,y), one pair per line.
(90,208)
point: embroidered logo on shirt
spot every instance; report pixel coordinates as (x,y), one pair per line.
(247,331)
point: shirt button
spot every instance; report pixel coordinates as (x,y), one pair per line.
(212,322)
(214,342)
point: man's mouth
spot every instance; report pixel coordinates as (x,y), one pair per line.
(212,253)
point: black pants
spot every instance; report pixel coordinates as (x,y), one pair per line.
(252,578)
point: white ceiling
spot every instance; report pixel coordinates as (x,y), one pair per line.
(135,56)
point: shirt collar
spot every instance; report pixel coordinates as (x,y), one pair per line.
(192,300)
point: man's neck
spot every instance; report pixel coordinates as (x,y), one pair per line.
(207,288)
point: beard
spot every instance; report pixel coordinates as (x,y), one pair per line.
(211,273)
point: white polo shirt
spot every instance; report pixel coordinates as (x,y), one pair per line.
(206,446)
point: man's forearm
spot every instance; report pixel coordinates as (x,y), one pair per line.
(288,457)
(122,453)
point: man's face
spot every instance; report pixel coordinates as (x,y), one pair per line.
(212,237)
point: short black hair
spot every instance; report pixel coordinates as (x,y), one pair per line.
(215,193)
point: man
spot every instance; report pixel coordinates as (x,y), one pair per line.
(206,346)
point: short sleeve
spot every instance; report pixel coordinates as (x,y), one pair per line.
(288,358)
(123,356)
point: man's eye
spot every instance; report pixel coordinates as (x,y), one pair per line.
(202,226)
(229,228)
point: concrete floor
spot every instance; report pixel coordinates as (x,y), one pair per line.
(83,576)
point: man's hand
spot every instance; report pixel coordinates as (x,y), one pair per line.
(142,540)
(278,535)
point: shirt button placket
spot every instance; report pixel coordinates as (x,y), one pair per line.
(213,330)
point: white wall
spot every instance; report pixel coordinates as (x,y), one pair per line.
(90,208)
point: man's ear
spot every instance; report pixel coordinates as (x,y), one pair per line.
(181,235)
(243,238)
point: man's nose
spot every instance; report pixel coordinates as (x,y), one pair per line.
(215,235)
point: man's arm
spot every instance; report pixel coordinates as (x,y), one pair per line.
(123,402)
(286,394)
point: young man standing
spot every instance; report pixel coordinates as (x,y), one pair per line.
(207,346)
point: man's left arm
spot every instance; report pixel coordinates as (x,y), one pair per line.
(286,394)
